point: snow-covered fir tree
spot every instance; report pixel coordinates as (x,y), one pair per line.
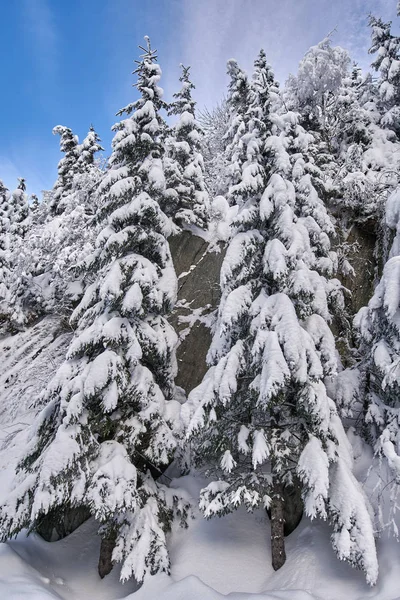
(106,427)
(356,160)
(45,279)
(386,46)
(256,131)
(188,201)
(90,146)
(238,104)
(4,251)
(34,203)
(379,367)
(19,210)
(262,417)
(15,225)
(67,167)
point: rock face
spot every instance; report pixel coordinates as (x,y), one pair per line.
(198,297)
(362,245)
(358,245)
(55,527)
(198,272)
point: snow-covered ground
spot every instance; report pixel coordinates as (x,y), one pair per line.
(227,557)
(212,559)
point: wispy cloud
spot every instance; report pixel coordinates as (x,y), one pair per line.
(216,30)
(39,23)
(9,172)
(12,168)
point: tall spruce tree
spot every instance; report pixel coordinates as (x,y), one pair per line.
(188,201)
(262,415)
(257,129)
(5,274)
(105,430)
(67,168)
(343,111)
(238,105)
(88,149)
(19,218)
(379,365)
(60,236)
(19,210)
(386,46)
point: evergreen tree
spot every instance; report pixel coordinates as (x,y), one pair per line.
(67,168)
(238,105)
(379,365)
(89,173)
(262,416)
(342,110)
(14,225)
(4,250)
(386,46)
(45,278)
(19,210)
(5,210)
(88,149)
(188,201)
(34,205)
(262,96)
(106,427)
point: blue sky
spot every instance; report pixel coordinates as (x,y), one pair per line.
(69,62)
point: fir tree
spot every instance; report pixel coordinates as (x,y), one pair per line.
(15,224)
(262,416)
(88,149)
(379,365)
(4,251)
(89,172)
(262,96)
(342,110)
(238,105)
(188,201)
(5,209)
(45,280)
(34,205)
(386,46)
(19,210)
(105,430)
(67,168)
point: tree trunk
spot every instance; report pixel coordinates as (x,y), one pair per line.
(292,506)
(277,528)
(105,558)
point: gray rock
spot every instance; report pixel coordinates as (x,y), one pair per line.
(198,272)
(57,524)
